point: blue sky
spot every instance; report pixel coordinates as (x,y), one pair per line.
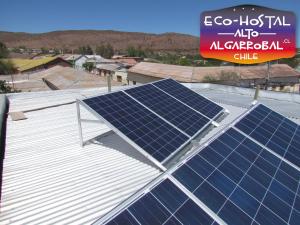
(152,16)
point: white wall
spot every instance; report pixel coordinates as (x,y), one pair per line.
(123,74)
(79,62)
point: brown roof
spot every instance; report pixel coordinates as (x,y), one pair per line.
(198,74)
(59,76)
(127,61)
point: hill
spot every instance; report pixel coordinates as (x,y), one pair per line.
(72,39)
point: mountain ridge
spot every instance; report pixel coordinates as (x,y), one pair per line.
(120,40)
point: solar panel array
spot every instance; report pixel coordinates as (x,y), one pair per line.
(152,119)
(273,130)
(164,204)
(147,130)
(183,117)
(240,181)
(189,97)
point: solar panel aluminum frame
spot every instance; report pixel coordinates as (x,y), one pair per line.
(190,137)
(129,201)
(252,139)
(210,120)
(210,140)
(168,174)
(216,116)
(146,189)
(142,151)
(213,119)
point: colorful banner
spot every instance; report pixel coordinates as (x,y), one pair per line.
(248,34)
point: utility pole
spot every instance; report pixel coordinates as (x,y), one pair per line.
(268,75)
(12,81)
(109,82)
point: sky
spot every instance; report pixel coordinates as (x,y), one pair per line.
(152,16)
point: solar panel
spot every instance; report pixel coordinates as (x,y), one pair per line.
(273,130)
(189,97)
(164,204)
(145,129)
(242,182)
(180,115)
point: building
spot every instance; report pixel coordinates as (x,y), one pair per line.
(282,77)
(78,64)
(128,61)
(56,78)
(70,57)
(79,61)
(120,75)
(34,65)
(49,179)
(117,71)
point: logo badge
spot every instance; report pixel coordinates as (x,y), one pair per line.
(248,34)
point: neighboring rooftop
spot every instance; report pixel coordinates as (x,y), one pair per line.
(199,74)
(24,65)
(60,77)
(70,57)
(49,178)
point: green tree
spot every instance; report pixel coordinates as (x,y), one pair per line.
(56,51)
(44,50)
(3,51)
(85,50)
(135,52)
(6,67)
(5,88)
(109,51)
(106,51)
(131,51)
(88,66)
(100,50)
(183,61)
(292,62)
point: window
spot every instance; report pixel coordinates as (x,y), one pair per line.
(119,78)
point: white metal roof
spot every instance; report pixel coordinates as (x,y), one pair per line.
(49,179)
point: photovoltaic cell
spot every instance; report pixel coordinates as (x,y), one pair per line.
(189,97)
(150,132)
(164,204)
(180,115)
(242,182)
(274,131)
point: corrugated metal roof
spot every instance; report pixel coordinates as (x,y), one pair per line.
(49,179)
(198,74)
(287,104)
(26,64)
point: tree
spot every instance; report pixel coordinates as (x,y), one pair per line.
(44,50)
(3,51)
(105,51)
(85,50)
(292,62)
(131,51)
(5,88)
(89,66)
(183,61)
(135,52)
(56,51)
(109,51)
(100,50)
(6,67)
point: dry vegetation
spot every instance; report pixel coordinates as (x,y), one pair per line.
(167,42)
